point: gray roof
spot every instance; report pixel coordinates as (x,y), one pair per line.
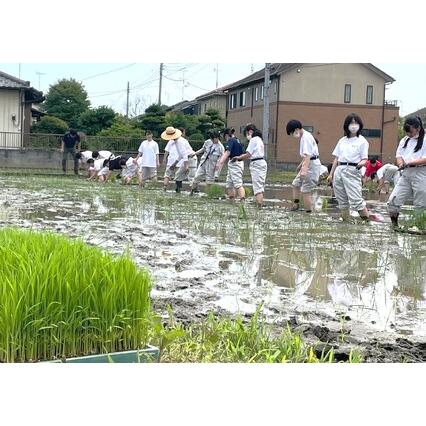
(277,69)
(10,82)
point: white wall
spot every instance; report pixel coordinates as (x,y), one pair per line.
(10,104)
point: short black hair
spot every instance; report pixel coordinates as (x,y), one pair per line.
(90,160)
(292,125)
(148,132)
(78,155)
(122,162)
(95,154)
(214,135)
(73,132)
(228,131)
(348,120)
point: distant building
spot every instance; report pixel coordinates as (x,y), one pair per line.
(215,99)
(187,107)
(16,101)
(320,96)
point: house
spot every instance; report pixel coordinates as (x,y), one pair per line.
(320,96)
(16,101)
(216,99)
(187,107)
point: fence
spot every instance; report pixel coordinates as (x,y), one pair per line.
(38,141)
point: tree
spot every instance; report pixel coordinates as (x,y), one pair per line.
(153,119)
(94,120)
(67,100)
(51,125)
(122,127)
(210,121)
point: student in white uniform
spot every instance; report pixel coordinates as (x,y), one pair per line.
(258,167)
(212,151)
(308,170)
(95,167)
(149,158)
(102,155)
(130,170)
(411,160)
(351,154)
(176,157)
(82,157)
(385,175)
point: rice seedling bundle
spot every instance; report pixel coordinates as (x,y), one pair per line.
(61,298)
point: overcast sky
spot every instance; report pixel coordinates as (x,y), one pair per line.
(106,83)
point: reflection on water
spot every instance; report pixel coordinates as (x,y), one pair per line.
(365,271)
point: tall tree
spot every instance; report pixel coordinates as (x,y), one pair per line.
(153,119)
(67,99)
(94,120)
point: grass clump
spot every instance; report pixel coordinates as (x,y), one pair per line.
(61,298)
(218,339)
(215,191)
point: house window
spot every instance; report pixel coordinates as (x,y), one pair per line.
(233,101)
(242,99)
(205,107)
(309,129)
(261,91)
(348,93)
(371,133)
(369,95)
(256,94)
(275,87)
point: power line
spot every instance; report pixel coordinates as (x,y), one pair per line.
(108,72)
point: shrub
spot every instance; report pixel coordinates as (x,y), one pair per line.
(51,125)
(62,298)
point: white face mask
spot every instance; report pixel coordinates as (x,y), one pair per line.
(296,135)
(353,128)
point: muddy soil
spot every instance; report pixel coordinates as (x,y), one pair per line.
(346,286)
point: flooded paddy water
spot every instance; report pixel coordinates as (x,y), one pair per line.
(322,277)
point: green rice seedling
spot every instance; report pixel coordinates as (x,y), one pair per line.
(215,191)
(218,339)
(61,298)
(324,204)
(249,191)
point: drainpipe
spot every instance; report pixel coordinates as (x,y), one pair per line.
(383,121)
(276,121)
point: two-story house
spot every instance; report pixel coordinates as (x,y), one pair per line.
(320,96)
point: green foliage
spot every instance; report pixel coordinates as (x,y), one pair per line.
(67,99)
(51,125)
(249,191)
(122,127)
(218,339)
(215,191)
(95,120)
(198,137)
(62,298)
(153,119)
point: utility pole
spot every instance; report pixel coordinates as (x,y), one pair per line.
(161,83)
(19,72)
(266,108)
(217,75)
(127,101)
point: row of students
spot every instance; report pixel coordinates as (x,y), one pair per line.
(351,155)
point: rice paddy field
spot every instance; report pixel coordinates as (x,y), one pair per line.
(227,276)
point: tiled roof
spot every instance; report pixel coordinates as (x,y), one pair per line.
(8,81)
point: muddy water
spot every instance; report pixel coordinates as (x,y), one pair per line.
(208,255)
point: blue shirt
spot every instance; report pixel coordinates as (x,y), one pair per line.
(234,147)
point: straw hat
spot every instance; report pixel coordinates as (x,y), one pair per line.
(171,133)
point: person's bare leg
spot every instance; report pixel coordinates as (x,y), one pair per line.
(307,201)
(259,199)
(166,182)
(231,193)
(241,193)
(296,198)
(364,213)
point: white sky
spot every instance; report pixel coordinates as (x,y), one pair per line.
(110,88)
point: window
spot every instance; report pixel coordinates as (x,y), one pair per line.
(369,95)
(309,129)
(205,107)
(261,91)
(275,87)
(348,93)
(372,133)
(242,99)
(233,101)
(256,94)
